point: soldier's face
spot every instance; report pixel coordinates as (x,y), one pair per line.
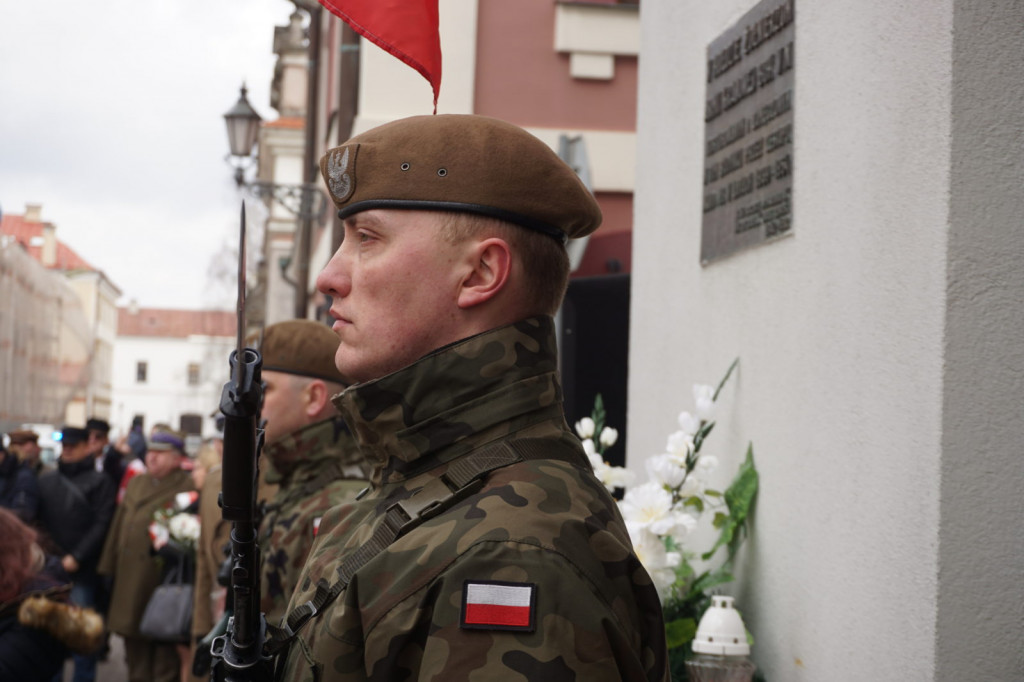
(395,285)
(284,401)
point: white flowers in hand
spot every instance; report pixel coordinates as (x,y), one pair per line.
(184,528)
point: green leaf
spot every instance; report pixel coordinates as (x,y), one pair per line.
(739,497)
(711,493)
(680,631)
(720,519)
(725,378)
(707,580)
(702,433)
(695,502)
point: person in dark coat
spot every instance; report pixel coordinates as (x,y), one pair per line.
(109,459)
(19,490)
(25,444)
(77,508)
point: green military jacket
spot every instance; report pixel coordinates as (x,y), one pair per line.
(530,577)
(127,554)
(316,467)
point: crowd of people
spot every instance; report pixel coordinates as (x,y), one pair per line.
(97,531)
(480,544)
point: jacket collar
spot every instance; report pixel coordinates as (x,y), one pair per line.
(455,398)
(307,447)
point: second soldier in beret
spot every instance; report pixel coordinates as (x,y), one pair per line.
(316,463)
(486,549)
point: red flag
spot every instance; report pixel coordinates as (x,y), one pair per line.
(405,28)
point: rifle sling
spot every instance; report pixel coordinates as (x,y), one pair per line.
(464,477)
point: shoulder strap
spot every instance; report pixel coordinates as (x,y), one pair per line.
(464,477)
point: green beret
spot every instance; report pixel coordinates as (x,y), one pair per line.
(464,163)
(303,347)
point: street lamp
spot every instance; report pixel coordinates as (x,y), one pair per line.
(304,200)
(243,126)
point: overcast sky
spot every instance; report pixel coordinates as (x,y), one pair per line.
(111,117)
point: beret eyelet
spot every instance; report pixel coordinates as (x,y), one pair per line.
(441,172)
(405,166)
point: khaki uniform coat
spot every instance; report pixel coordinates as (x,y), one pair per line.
(126,555)
(214,533)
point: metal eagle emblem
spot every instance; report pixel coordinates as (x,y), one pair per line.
(339,179)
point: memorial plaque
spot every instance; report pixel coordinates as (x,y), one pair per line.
(748,132)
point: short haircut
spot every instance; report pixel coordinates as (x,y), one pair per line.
(544,260)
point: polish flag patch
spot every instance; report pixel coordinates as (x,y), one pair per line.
(490,605)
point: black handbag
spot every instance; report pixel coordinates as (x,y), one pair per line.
(168,614)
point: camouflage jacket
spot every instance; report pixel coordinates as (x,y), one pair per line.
(531,576)
(316,467)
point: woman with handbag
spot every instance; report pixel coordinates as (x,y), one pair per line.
(127,557)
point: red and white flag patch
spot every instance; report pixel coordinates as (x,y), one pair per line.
(490,605)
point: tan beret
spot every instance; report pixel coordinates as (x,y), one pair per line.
(464,163)
(23,436)
(303,347)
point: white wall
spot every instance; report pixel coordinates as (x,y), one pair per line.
(166,395)
(870,341)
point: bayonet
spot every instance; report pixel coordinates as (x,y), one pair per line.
(238,654)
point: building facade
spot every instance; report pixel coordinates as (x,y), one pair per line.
(170,367)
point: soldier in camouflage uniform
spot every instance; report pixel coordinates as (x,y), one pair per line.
(486,549)
(315,461)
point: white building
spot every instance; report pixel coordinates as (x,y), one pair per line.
(170,367)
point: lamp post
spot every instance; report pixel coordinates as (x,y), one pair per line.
(304,200)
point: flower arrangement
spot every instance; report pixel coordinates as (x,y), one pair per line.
(173,525)
(663,512)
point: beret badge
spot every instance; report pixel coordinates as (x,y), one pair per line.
(339,176)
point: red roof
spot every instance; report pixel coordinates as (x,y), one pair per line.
(288,122)
(163,322)
(26,231)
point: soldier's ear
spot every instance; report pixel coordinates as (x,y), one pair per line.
(489,265)
(317,397)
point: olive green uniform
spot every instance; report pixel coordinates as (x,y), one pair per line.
(543,527)
(136,572)
(316,467)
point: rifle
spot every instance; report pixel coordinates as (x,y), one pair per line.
(238,653)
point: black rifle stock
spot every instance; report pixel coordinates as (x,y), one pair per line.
(238,654)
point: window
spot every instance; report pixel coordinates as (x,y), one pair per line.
(140,372)
(193,374)
(192,423)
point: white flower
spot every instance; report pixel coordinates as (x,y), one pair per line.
(618,477)
(608,436)
(665,470)
(689,423)
(585,428)
(679,445)
(704,396)
(660,564)
(707,463)
(184,527)
(158,535)
(648,504)
(588,447)
(692,487)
